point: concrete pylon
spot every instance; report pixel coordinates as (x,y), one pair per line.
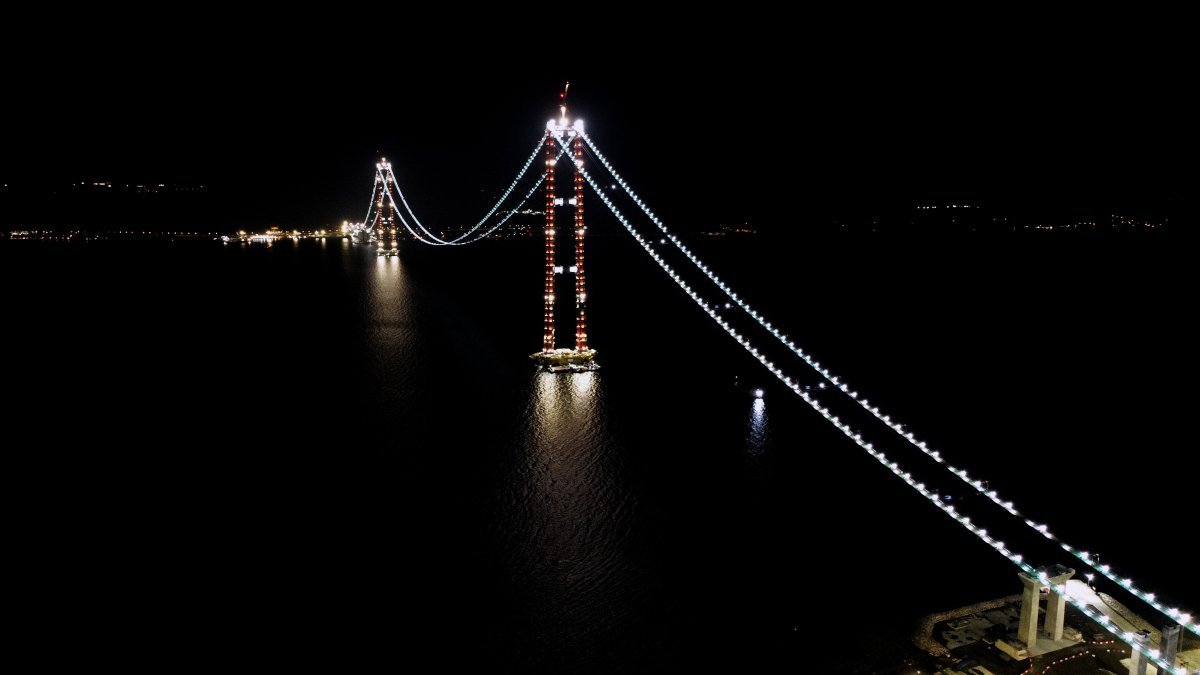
(1170,642)
(1137,656)
(1052,576)
(1030,596)
(1056,604)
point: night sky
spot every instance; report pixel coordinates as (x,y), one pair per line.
(782,121)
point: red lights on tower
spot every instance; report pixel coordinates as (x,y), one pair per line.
(580,288)
(385,208)
(551,160)
(565,137)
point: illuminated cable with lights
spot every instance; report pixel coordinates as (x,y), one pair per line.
(500,223)
(383,174)
(1185,619)
(408,226)
(429,238)
(462,238)
(931,496)
(371,204)
(433,238)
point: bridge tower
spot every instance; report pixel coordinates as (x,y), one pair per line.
(563,134)
(383,225)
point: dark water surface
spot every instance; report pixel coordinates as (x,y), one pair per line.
(303,454)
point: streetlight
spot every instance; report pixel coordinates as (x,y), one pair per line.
(1090,576)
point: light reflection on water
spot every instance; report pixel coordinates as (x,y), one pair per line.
(567,517)
(572,503)
(388,315)
(756,429)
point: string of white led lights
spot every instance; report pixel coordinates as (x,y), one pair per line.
(434,241)
(1184,618)
(931,496)
(371,204)
(486,233)
(458,241)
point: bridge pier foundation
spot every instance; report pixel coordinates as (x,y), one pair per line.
(1055,577)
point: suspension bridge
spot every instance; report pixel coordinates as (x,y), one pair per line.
(993,518)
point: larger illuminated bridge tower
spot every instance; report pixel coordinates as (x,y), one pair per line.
(562,135)
(383,227)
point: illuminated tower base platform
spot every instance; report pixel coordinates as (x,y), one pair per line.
(566,360)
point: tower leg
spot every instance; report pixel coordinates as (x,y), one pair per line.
(1137,657)
(1030,596)
(581,341)
(1170,642)
(1056,608)
(548,332)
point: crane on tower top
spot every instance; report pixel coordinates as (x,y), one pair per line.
(562,98)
